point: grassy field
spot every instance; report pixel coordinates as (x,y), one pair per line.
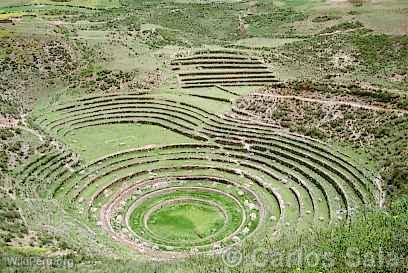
(8,3)
(92,143)
(80,3)
(172,136)
(185,221)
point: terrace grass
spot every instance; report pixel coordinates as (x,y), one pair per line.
(82,3)
(212,92)
(97,141)
(5,16)
(358,156)
(7,3)
(258,42)
(207,104)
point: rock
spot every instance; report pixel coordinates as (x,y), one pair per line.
(252,206)
(236,239)
(245,231)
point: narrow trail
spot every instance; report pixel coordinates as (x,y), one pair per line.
(25,127)
(333,102)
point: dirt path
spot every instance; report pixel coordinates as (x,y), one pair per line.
(338,31)
(25,127)
(14,123)
(333,102)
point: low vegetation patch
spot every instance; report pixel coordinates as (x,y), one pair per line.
(203,136)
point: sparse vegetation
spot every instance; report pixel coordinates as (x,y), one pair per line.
(156,136)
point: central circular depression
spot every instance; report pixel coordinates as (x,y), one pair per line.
(186,219)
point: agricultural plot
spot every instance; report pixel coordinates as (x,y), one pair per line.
(80,3)
(226,178)
(221,67)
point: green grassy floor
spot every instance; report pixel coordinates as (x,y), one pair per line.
(185,221)
(94,142)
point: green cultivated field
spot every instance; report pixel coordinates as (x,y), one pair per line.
(186,221)
(176,136)
(92,143)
